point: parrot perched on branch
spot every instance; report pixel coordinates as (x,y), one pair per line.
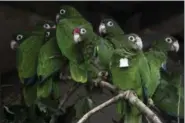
(27,45)
(167,81)
(96,50)
(67,20)
(130,71)
(109,29)
(128,66)
(169,96)
(157,55)
(50,62)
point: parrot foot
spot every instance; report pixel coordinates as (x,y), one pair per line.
(150,102)
(103,75)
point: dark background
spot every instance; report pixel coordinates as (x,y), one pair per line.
(163,16)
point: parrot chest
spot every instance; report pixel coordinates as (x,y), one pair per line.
(27,56)
(127,77)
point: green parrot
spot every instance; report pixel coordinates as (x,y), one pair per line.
(130,71)
(27,45)
(96,51)
(67,20)
(157,54)
(50,62)
(129,63)
(169,95)
(110,30)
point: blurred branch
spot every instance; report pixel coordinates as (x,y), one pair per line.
(126,95)
(5,86)
(68,94)
(63,100)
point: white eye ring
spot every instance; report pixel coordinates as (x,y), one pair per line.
(47,34)
(19,37)
(62,11)
(82,31)
(169,40)
(46,26)
(131,38)
(110,23)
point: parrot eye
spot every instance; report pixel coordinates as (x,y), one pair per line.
(62,11)
(169,40)
(46,26)
(82,31)
(47,34)
(19,37)
(110,23)
(131,38)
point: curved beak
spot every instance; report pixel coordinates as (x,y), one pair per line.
(14,45)
(57,18)
(139,43)
(54,27)
(77,37)
(175,46)
(102,29)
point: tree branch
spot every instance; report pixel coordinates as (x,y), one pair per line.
(100,107)
(127,95)
(68,94)
(63,100)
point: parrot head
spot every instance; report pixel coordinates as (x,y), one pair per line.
(50,33)
(46,24)
(18,38)
(40,27)
(109,27)
(67,11)
(82,33)
(133,41)
(162,42)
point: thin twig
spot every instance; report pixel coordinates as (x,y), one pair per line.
(127,95)
(63,100)
(68,94)
(5,86)
(100,107)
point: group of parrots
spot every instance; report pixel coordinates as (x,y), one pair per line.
(112,55)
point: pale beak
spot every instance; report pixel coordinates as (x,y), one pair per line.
(57,18)
(139,43)
(13,45)
(54,26)
(175,46)
(102,29)
(76,37)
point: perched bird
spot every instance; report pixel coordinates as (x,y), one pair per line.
(169,96)
(50,62)
(130,71)
(27,45)
(128,66)
(67,20)
(110,30)
(95,50)
(157,55)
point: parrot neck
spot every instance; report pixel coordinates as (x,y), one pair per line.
(159,49)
